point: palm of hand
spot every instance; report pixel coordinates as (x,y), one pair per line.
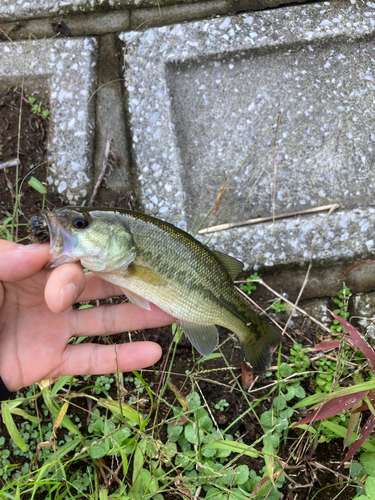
(37,320)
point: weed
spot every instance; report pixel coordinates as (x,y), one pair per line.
(299,358)
(221,405)
(342,303)
(278,306)
(356,398)
(250,286)
(36,107)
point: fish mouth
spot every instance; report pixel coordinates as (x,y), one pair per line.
(47,228)
(39,229)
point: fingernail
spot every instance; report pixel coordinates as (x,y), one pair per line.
(68,295)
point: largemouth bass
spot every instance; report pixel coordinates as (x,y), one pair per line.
(154,261)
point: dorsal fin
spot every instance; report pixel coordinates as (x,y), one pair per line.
(232,265)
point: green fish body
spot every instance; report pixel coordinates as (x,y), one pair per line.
(154,261)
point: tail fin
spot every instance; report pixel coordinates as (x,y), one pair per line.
(261,335)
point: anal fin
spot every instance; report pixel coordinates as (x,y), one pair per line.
(137,299)
(204,338)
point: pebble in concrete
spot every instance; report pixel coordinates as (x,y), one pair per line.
(67,69)
(201,97)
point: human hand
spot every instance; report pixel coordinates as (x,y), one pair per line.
(37,320)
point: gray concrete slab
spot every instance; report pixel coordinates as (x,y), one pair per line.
(67,70)
(202,96)
(26,9)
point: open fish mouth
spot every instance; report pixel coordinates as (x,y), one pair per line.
(44,229)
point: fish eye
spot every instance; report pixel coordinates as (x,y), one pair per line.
(80,222)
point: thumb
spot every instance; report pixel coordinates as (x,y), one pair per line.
(18,262)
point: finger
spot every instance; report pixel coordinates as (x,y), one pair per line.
(97,359)
(19,262)
(110,319)
(97,288)
(64,286)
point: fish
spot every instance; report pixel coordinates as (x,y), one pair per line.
(155,261)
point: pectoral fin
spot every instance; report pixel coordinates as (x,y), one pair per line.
(146,274)
(137,299)
(204,338)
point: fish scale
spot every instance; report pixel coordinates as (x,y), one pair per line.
(154,261)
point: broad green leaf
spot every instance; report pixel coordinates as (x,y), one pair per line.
(124,459)
(209,452)
(242,474)
(357,471)
(138,462)
(190,433)
(170,450)
(290,393)
(370,487)
(269,456)
(127,410)
(60,383)
(24,414)
(300,392)
(341,431)
(344,391)
(234,447)
(285,370)
(368,461)
(174,432)
(103,494)
(205,423)
(11,426)
(268,419)
(279,403)
(37,185)
(99,449)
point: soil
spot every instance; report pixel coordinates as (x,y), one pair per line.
(32,154)
(313,468)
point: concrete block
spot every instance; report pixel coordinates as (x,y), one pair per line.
(28,9)
(76,25)
(147,18)
(67,69)
(204,95)
(364,309)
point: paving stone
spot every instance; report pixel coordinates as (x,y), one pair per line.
(76,25)
(365,308)
(324,281)
(147,18)
(67,69)
(318,309)
(26,9)
(202,96)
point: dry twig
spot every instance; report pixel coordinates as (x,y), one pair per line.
(258,220)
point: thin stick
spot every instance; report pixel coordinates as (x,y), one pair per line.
(258,220)
(103,170)
(9,163)
(302,311)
